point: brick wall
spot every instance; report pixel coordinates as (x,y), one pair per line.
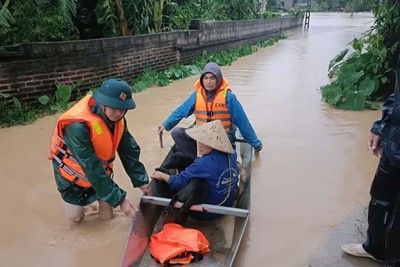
(28,71)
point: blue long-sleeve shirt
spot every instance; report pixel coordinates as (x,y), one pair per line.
(238,117)
(222,176)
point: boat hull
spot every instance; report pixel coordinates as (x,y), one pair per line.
(224,234)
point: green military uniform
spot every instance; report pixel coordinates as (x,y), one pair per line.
(77,139)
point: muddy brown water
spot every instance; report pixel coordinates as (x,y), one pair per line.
(313,173)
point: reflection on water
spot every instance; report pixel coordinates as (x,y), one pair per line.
(312,172)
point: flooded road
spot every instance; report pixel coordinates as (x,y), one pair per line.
(313,174)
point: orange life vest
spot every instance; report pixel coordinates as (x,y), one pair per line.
(214,110)
(177,245)
(105,142)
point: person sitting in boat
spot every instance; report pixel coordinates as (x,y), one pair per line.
(217,164)
(212,100)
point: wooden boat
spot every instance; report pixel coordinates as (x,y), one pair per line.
(149,220)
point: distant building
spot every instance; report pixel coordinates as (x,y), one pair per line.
(286,3)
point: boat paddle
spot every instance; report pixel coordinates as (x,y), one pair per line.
(160,134)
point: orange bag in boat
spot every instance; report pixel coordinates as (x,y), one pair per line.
(178,245)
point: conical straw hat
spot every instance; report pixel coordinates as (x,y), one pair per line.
(213,135)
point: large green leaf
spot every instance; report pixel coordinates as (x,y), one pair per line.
(177,73)
(44,100)
(140,86)
(331,94)
(162,79)
(354,101)
(67,10)
(194,69)
(367,86)
(5,95)
(372,105)
(57,108)
(185,71)
(357,45)
(338,58)
(6,17)
(63,92)
(17,103)
(349,88)
(349,76)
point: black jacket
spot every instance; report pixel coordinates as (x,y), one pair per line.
(388,127)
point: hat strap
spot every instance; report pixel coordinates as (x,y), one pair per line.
(230,179)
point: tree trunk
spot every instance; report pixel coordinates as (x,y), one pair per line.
(123,25)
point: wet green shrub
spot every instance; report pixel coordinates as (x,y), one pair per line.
(366,74)
(13,112)
(61,99)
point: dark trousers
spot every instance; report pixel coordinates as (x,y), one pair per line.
(383,235)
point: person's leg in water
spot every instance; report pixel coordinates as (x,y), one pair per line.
(74,213)
(384,191)
(105,211)
(183,142)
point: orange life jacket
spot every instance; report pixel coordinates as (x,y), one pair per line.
(214,110)
(177,245)
(105,142)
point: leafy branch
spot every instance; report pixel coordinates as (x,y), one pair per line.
(365,75)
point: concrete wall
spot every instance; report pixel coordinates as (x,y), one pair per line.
(28,71)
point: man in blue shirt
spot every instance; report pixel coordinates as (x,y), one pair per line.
(212,100)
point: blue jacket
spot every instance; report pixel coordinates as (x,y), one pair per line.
(239,118)
(215,168)
(388,127)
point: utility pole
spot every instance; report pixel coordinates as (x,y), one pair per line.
(308,11)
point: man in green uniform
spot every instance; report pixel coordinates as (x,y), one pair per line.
(83,147)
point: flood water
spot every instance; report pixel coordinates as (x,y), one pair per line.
(313,172)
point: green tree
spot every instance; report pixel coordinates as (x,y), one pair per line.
(5,16)
(139,14)
(158,13)
(271,3)
(323,6)
(367,73)
(111,15)
(67,10)
(36,23)
(225,9)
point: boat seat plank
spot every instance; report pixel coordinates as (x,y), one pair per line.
(160,201)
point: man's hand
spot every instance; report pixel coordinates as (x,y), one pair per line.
(160,176)
(127,208)
(146,189)
(258,149)
(373,144)
(161,128)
